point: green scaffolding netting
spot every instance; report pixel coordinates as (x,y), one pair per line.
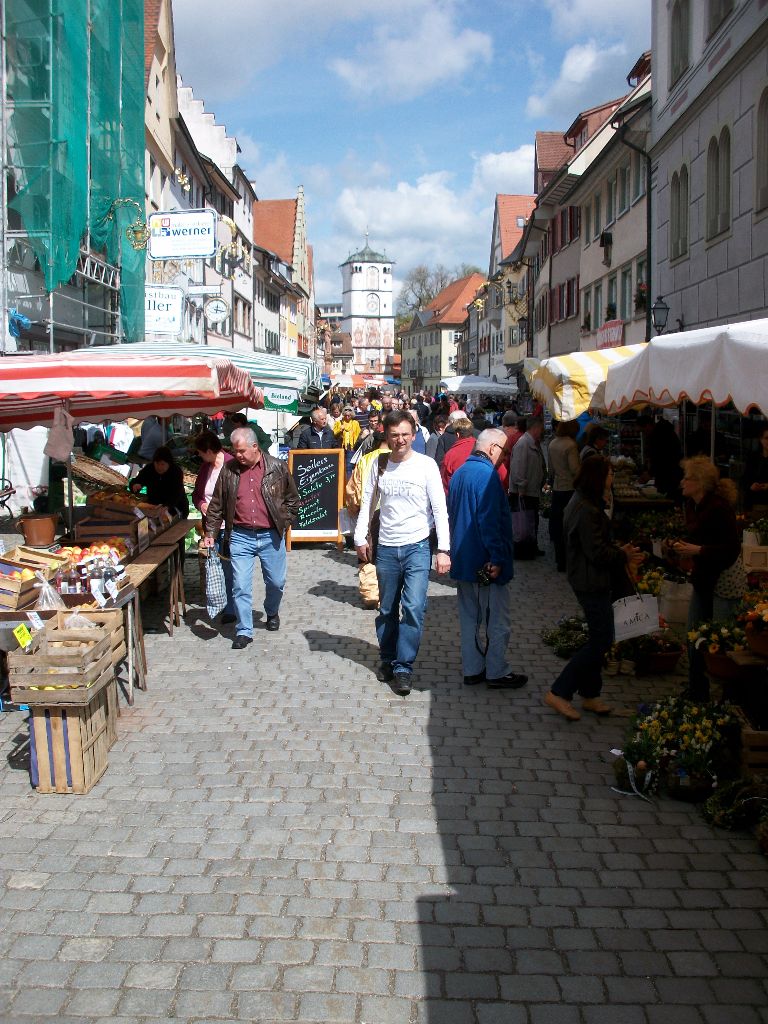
(76,134)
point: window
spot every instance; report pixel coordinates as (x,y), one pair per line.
(624,185)
(678,214)
(610,202)
(587,224)
(638,176)
(761,154)
(718,12)
(719,184)
(598,309)
(586,303)
(598,225)
(625,294)
(574,221)
(610,305)
(679,32)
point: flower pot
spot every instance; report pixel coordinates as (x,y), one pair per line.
(692,788)
(758,641)
(39,530)
(720,666)
(658,663)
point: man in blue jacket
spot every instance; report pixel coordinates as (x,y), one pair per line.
(481,561)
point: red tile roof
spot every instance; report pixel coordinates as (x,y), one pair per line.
(509,208)
(594,118)
(274,224)
(151,22)
(450,305)
(551,151)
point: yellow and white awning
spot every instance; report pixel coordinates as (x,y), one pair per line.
(567,384)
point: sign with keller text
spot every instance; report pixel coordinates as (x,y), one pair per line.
(163,309)
(190,234)
(319,477)
(281,399)
(611,334)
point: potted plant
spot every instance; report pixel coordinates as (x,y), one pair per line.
(586,324)
(641,296)
(719,639)
(756,619)
(657,653)
(567,637)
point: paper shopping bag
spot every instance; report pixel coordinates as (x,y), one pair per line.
(635,616)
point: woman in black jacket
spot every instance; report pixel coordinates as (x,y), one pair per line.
(164,481)
(713,545)
(597,572)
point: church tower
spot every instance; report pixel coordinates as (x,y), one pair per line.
(367,309)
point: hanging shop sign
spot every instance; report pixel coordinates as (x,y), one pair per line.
(163,309)
(190,234)
(216,311)
(611,334)
(281,399)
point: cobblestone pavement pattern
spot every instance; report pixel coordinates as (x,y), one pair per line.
(281,838)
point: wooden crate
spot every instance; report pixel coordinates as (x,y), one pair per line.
(42,561)
(55,671)
(111,619)
(15,593)
(754,746)
(69,745)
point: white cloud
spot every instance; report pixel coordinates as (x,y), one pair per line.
(587,77)
(630,21)
(408,63)
(509,172)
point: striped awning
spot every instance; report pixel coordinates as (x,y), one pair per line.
(567,384)
(115,386)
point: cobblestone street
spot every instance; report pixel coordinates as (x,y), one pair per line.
(280,838)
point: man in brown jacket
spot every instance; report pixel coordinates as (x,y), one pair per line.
(256,500)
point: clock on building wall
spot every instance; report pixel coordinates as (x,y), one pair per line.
(216,310)
(372,303)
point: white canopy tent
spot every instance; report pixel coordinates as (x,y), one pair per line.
(570,384)
(472,385)
(722,364)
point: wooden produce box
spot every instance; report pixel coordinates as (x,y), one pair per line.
(39,560)
(15,593)
(99,527)
(755,557)
(62,666)
(754,746)
(110,619)
(114,504)
(69,745)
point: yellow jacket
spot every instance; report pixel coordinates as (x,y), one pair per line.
(354,488)
(349,430)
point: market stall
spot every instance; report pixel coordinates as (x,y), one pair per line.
(567,384)
(472,385)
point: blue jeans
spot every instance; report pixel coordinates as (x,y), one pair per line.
(245,546)
(403,574)
(487,609)
(583,673)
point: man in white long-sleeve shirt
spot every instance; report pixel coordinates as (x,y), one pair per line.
(412,502)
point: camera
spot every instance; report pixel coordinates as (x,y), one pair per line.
(484,578)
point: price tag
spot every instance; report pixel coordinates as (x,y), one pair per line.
(34,618)
(23,635)
(111,588)
(138,513)
(2,547)
(143,531)
(99,598)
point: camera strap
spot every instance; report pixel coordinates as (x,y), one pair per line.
(479,622)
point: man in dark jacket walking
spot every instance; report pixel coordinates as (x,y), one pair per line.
(481,560)
(318,434)
(256,500)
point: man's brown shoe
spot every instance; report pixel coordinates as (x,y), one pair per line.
(562,706)
(596,706)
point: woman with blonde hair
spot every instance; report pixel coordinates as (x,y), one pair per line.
(712,553)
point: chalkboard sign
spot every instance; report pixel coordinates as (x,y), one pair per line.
(319,476)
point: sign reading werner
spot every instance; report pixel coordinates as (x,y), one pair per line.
(163,308)
(319,477)
(190,234)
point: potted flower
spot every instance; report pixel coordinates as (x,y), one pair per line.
(567,637)
(756,619)
(641,296)
(657,653)
(719,639)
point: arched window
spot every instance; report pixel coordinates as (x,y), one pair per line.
(679,35)
(761,154)
(674,216)
(713,187)
(724,181)
(683,218)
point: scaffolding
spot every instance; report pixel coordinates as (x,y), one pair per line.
(72,148)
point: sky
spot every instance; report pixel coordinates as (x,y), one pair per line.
(402,117)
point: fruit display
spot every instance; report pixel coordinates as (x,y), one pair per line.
(16,574)
(116,548)
(124,500)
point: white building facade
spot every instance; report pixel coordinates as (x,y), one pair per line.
(367,309)
(709,146)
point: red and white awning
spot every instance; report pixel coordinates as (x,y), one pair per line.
(114,386)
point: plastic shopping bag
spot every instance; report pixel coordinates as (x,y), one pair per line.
(635,616)
(215,585)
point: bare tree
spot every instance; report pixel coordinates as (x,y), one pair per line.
(423,283)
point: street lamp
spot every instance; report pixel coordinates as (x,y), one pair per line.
(659,314)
